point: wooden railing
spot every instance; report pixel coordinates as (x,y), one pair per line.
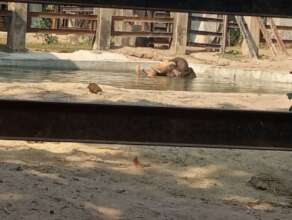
(60,23)
(146,26)
(214,44)
(4,20)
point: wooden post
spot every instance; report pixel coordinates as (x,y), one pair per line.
(180,33)
(247,36)
(127,41)
(17,29)
(224,33)
(103,29)
(254,29)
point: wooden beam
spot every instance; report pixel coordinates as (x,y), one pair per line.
(103,31)
(268,8)
(141,34)
(180,33)
(61,15)
(254,30)
(224,34)
(17,30)
(252,48)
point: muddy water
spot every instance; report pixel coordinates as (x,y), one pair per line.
(130,81)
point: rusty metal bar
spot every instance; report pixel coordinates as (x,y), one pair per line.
(277,8)
(26,120)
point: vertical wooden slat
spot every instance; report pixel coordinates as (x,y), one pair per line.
(224,33)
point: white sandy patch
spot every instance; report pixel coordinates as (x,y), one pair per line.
(81,55)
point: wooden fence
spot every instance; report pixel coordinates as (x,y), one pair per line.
(159,29)
(4,20)
(60,23)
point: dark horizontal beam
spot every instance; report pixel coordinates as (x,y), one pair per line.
(23,120)
(206,45)
(62,15)
(162,20)
(141,34)
(206,19)
(61,30)
(210,33)
(239,7)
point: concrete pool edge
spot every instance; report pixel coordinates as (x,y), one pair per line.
(202,70)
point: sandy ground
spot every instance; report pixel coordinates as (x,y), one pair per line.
(81,55)
(266,62)
(77,92)
(88,181)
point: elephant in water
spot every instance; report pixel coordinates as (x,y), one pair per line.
(177,67)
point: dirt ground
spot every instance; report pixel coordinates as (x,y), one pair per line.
(78,92)
(232,58)
(89,181)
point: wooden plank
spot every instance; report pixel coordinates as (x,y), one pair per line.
(248,37)
(224,33)
(143,19)
(194,44)
(17,28)
(267,36)
(277,37)
(180,33)
(61,15)
(281,27)
(61,31)
(252,25)
(141,34)
(206,19)
(104,29)
(211,33)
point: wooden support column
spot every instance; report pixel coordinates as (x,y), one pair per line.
(254,29)
(128,41)
(224,34)
(180,33)
(103,29)
(116,40)
(17,29)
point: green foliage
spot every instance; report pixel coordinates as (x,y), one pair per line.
(235,37)
(45,23)
(50,39)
